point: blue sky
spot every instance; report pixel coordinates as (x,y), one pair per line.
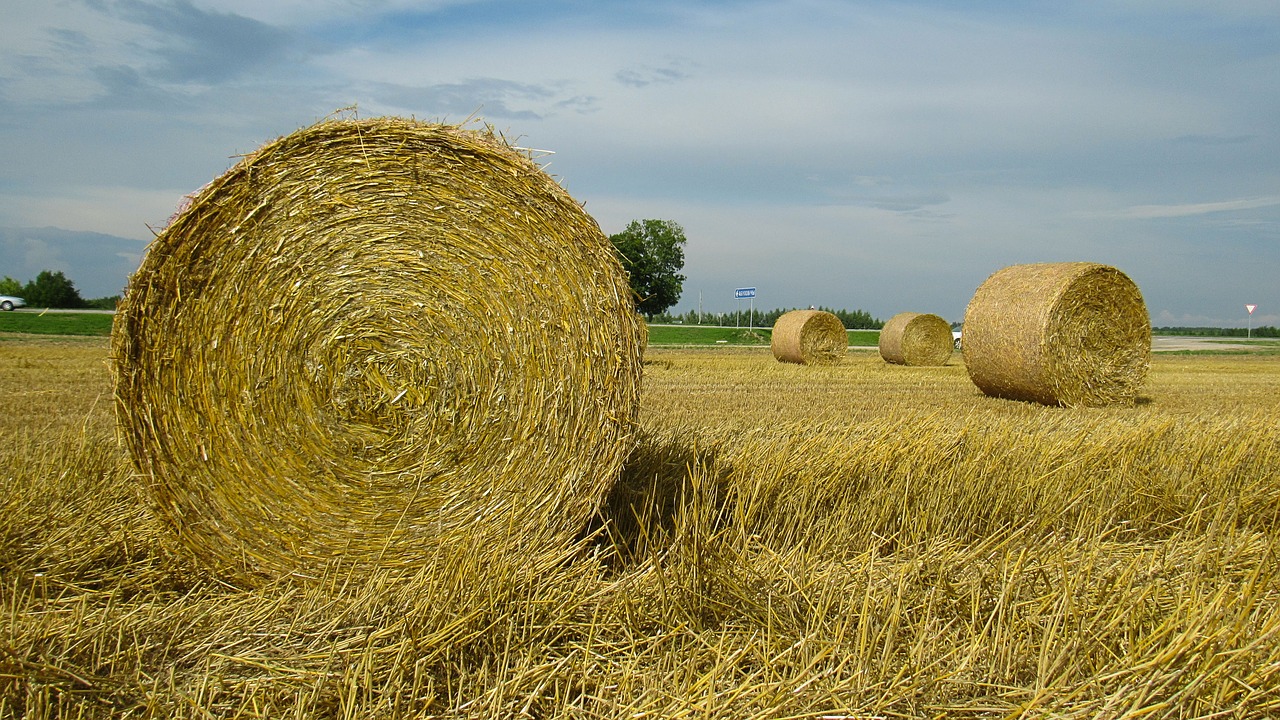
(884,156)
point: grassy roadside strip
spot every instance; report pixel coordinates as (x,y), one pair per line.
(99,324)
(56,323)
(36,322)
(712,336)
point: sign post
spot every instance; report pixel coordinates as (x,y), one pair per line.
(1250,307)
(741,293)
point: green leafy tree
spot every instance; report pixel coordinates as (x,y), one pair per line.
(9,286)
(52,290)
(652,253)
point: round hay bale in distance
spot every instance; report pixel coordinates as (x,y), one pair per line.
(372,341)
(916,339)
(1072,334)
(809,337)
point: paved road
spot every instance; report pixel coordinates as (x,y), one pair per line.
(41,311)
(1170,343)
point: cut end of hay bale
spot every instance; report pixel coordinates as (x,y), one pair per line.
(809,337)
(1074,334)
(371,339)
(916,339)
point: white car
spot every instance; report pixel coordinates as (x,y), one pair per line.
(9,302)
(955,338)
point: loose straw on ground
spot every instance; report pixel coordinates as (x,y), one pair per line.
(916,339)
(373,338)
(1074,334)
(809,337)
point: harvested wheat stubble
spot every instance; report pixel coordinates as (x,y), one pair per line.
(916,339)
(1074,334)
(809,337)
(371,339)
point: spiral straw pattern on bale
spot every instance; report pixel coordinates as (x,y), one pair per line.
(916,339)
(809,337)
(372,339)
(1074,334)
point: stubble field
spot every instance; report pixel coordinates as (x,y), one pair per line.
(864,540)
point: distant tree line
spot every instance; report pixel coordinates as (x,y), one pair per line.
(852,319)
(1266,331)
(52,289)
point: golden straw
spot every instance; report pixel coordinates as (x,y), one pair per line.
(371,339)
(809,337)
(1059,334)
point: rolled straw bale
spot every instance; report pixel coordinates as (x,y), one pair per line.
(1074,334)
(809,337)
(916,339)
(373,338)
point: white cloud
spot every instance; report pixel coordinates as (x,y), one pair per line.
(1166,318)
(1233,10)
(311,12)
(122,211)
(1150,212)
(875,154)
(48,51)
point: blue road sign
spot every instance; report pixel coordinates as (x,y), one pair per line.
(744,293)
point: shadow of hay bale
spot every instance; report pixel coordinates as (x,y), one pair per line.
(639,515)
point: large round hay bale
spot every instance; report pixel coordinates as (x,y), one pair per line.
(1074,334)
(373,338)
(916,339)
(809,337)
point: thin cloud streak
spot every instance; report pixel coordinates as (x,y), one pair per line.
(1151,212)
